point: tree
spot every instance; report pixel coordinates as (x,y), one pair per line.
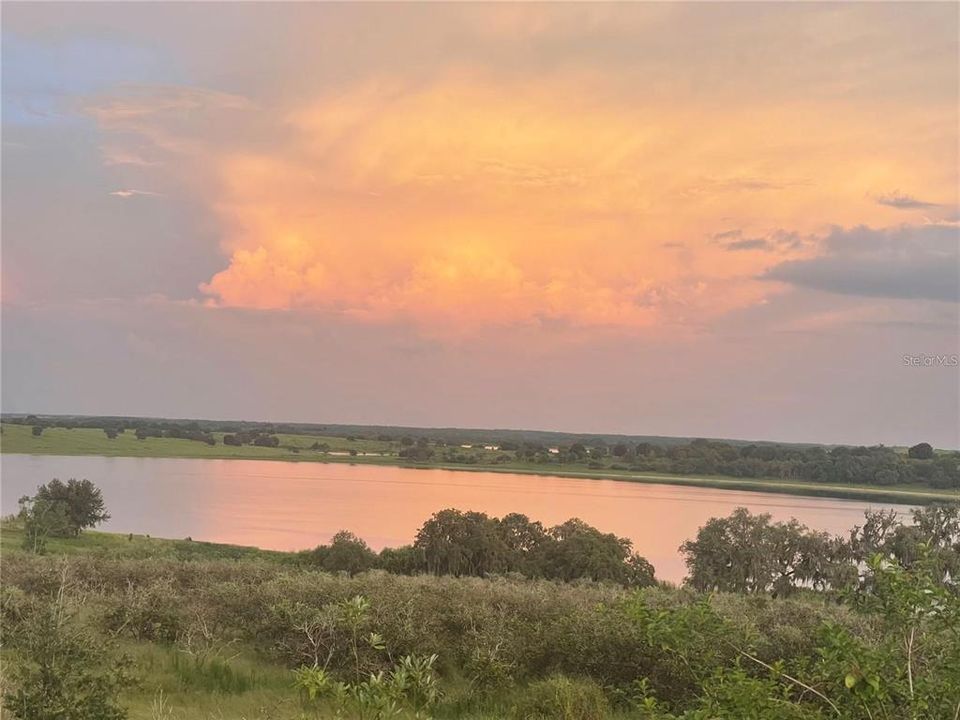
(747,553)
(418,452)
(579,550)
(920,451)
(82,500)
(41,520)
(522,538)
(459,543)
(348,553)
(110,432)
(264,440)
(404,560)
(37,430)
(521,534)
(934,535)
(577,451)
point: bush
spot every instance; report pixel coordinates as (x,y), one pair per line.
(145,611)
(561,698)
(64,671)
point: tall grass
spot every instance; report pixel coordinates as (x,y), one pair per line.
(215,675)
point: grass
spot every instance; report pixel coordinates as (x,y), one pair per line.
(245,687)
(92,441)
(169,685)
(135,547)
(172,686)
(296,448)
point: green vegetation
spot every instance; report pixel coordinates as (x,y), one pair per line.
(778,622)
(60,510)
(472,543)
(449,543)
(878,474)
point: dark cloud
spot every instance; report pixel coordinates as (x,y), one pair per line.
(727,235)
(734,240)
(912,262)
(749,244)
(903,201)
(790,240)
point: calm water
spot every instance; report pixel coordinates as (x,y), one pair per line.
(291,506)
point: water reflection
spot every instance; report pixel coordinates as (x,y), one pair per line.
(290,506)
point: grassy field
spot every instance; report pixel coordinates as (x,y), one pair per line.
(91,441)
(297,448)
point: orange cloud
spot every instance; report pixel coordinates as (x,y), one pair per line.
(467,201)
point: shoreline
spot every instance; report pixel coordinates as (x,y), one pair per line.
(898,495)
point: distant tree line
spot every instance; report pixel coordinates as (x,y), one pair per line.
(250,437)
(839,465)
(131,423)
(418,450)
(189,431)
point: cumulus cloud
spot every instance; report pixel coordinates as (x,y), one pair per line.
(907,262)
(477,189)
(466,203)
(470,200)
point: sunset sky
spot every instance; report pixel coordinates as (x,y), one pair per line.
(714,220)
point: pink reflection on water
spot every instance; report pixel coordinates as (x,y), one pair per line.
(291,506)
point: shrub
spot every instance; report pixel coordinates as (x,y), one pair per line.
(63,670)
(145,611)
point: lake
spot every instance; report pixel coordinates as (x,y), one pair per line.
(292,506)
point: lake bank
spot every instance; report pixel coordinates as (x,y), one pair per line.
(17,439)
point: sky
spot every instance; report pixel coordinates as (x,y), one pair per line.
(704,220)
